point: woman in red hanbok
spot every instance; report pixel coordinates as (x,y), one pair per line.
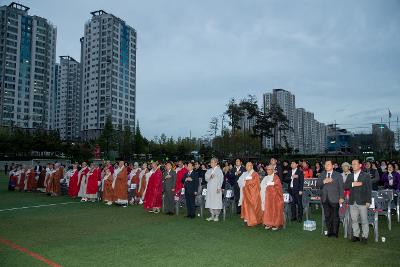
(153,196)
(73,187)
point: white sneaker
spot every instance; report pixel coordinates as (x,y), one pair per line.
(210,219)
(216,219)
(109,203)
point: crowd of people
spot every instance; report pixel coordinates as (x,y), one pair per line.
(257,189)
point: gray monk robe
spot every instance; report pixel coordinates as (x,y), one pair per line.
(168,186)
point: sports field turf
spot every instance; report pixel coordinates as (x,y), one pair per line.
(92,234)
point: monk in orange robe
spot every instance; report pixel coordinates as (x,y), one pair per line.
(120,184)
(272,200)
(42,177)
(135,181)
(108,190)
(143,182)
(250,199)
(30,180)
(55,186)
(49,177)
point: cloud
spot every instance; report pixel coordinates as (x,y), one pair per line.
(193,56)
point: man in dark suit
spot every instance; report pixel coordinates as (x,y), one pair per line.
(191,183)
(235,173)
(169,181)
(359,184)
(331,184)
(295,178)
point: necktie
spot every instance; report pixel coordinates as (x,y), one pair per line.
(329,175)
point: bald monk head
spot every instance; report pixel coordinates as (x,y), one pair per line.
(270,170)
(249,166)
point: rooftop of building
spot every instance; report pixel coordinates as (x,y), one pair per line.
(99,13)
(22,9)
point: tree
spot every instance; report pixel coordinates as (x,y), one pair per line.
(235,113)
(249,105)
(139,142)
(250,109)
(107,136)
(214,126)
(126,143)
(279,121)
(263,127)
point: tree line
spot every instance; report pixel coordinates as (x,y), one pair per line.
(123,143)
(247,139)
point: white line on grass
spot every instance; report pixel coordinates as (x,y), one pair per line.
(39,206)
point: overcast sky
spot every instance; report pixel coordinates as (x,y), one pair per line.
(340,58)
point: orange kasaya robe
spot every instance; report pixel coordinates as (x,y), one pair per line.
(251,202)
(108,190)
(55,187)
(143,185)
(31,181)
(274,204)
(121,186)
(21,184)
(135,180)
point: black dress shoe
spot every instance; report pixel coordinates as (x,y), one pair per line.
(364,240)
(293,219)
(355,239)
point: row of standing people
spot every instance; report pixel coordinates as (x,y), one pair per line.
(259,202)
(29,178)
(127,184)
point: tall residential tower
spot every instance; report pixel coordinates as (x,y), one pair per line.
(27,60)
(68,98)
(108,74)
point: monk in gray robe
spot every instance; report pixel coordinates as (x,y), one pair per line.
(169,179)
(214,178)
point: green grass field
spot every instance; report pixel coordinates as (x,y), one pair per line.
(91,234)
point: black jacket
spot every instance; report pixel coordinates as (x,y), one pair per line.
(298,182)
(233,178)
(360,194)
(279,171)
(331,192)
(191,186)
